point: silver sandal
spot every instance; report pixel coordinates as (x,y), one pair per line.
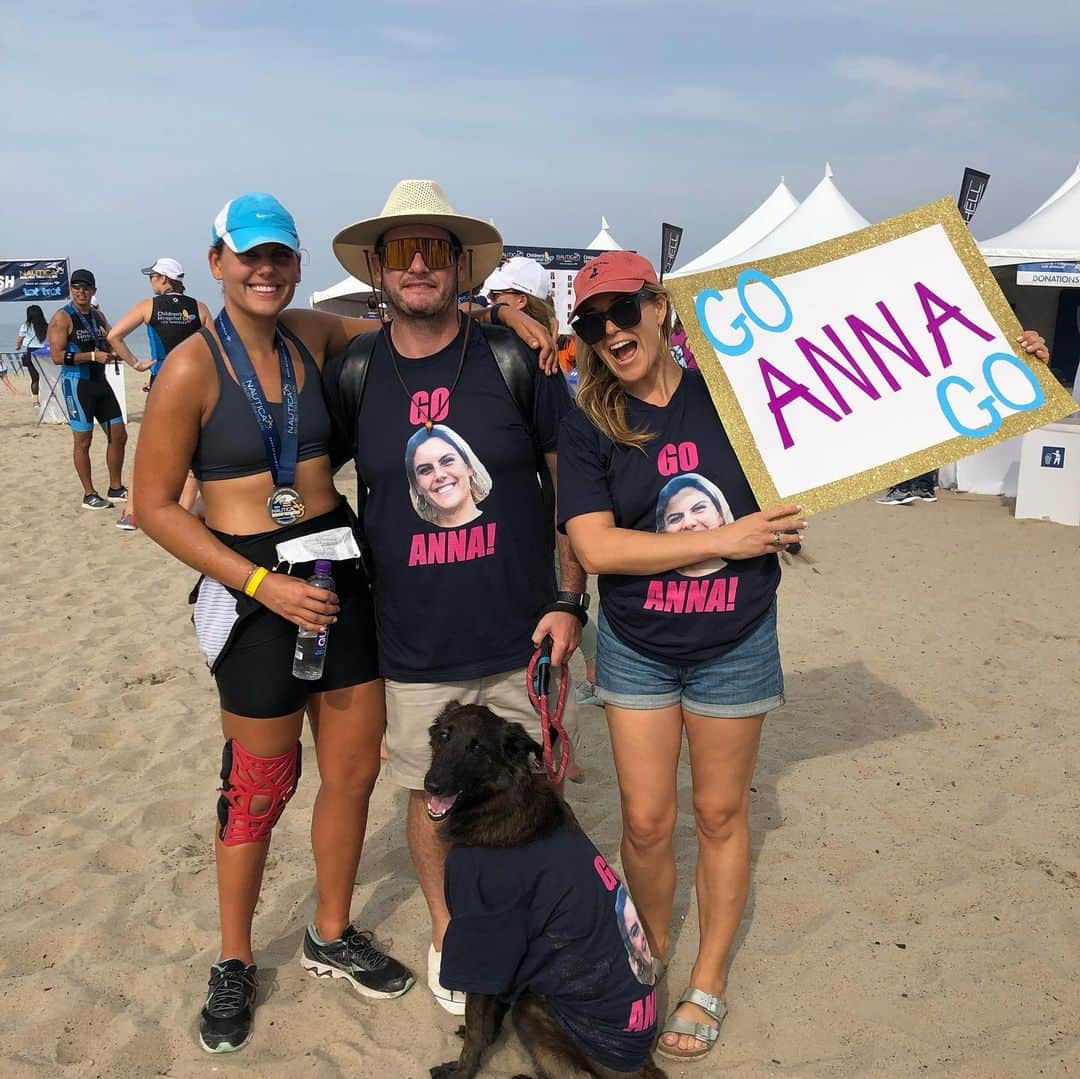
(713,1006)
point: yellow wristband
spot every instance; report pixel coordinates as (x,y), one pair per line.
(93,356)
(255,578)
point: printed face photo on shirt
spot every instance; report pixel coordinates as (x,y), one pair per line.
(633,937)
(447,481)
(691,503)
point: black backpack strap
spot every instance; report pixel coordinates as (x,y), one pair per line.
(519,368)
(344,377)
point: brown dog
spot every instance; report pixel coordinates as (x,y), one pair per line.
(537,916)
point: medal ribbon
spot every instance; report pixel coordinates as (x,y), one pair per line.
(281,449)
(90,325)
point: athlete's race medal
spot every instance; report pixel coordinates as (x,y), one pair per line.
(284,505)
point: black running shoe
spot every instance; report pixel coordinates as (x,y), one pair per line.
(355,957)
(118,494)
(900,495)
(94,501)
(225,1022)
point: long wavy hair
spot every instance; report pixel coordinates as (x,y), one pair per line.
(600,395)
(479,478)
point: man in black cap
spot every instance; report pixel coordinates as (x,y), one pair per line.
(77,341)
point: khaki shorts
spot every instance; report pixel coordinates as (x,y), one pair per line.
(411,707)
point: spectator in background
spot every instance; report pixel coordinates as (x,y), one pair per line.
(33,333)
(524,285)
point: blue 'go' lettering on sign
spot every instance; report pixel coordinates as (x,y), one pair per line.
(987,404)
(744,280)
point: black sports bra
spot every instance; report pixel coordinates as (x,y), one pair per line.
(230,444)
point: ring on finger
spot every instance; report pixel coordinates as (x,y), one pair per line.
(776,539)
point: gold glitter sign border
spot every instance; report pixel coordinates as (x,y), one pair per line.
(684,290)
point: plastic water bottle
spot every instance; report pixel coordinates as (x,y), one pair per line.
(310,651)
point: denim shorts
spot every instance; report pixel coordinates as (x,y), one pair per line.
(746,681)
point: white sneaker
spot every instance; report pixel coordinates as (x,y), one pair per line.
(450,999)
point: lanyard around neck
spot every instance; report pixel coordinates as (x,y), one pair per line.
(282,448)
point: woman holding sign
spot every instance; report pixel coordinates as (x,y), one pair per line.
(687,626)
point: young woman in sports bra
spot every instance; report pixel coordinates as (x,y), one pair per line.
(271,508)
(199,417)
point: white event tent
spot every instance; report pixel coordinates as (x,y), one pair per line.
(348,297)
(603,240)
(1050,234)
(775,209)
(823,215)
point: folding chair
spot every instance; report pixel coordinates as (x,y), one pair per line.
(42,358)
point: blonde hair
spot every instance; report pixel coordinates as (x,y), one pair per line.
(600,395)
(544,313)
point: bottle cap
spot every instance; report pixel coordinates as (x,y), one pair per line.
(323,567)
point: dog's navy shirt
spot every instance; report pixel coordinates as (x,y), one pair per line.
(687,478)
(460,537)
(552,917)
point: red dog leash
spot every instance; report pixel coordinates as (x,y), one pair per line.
(537,680)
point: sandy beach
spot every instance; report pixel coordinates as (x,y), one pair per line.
(916,829)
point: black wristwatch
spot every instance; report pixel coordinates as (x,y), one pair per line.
(494,316)
(578,599)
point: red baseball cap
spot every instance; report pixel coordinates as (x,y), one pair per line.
(613,271)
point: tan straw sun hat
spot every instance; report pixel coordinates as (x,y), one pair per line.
(419,202)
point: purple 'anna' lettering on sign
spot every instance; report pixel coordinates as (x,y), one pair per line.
(934,322)
(864,332)
(795,391)
(854,374)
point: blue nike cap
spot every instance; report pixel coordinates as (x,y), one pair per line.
(253,219)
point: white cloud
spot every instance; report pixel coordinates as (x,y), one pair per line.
(939,77)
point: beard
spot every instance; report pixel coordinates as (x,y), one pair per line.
(431,303)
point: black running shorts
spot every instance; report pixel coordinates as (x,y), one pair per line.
(254,671)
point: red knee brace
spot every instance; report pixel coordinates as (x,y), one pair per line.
(245,777)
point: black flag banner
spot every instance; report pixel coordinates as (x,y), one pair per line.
(671,237)
(972,189)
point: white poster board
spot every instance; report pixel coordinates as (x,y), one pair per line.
(855,364)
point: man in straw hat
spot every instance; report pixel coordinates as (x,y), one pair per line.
(448,450)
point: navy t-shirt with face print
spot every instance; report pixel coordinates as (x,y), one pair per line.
(687,478)
(460,537)
(552,917)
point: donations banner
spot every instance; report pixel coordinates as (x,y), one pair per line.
(33,279)
(562,263)
(670,238)
(972,189)
(850,366)
(1049,274)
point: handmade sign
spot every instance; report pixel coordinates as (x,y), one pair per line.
(850,366)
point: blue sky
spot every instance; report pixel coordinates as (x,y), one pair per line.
(126,126)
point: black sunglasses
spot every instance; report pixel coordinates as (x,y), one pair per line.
(625,312)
